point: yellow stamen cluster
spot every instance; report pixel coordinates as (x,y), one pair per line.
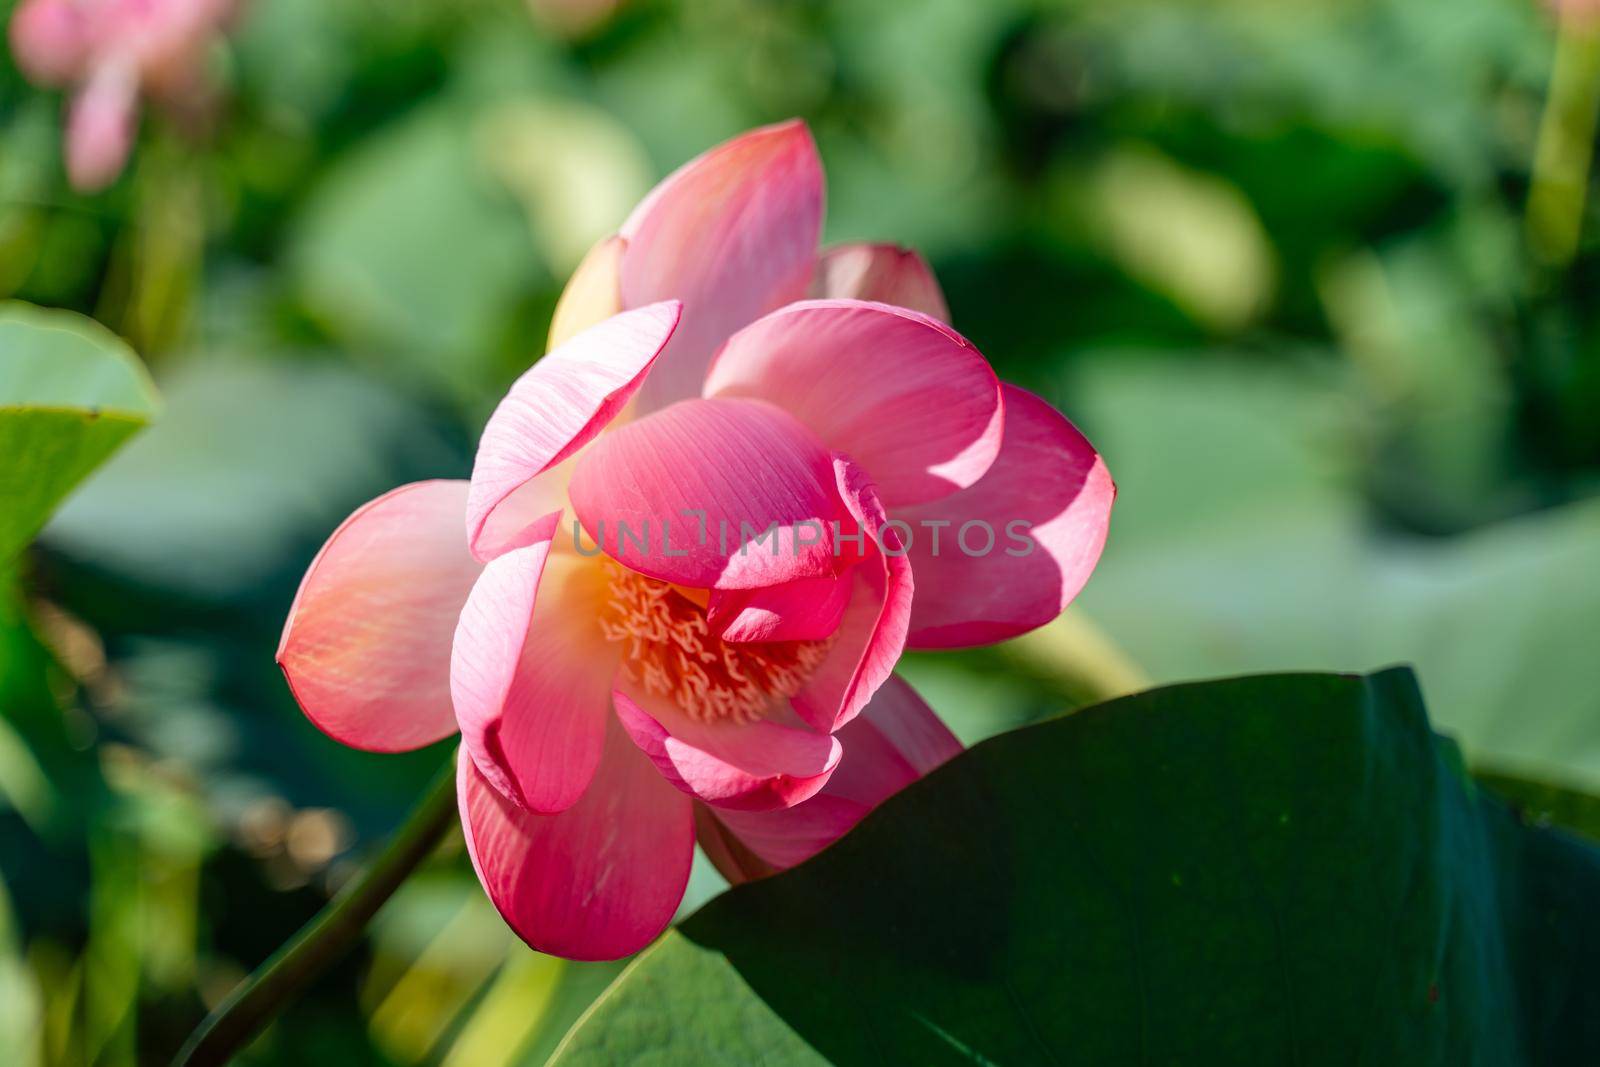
(668,648)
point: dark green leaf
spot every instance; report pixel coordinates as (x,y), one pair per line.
(1544,803)
(1279,869)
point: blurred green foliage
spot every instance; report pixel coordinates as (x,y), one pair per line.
(1271,256)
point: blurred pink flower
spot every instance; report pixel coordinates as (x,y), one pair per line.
(1580,9)
(108,53)
(573,18)
(609,702)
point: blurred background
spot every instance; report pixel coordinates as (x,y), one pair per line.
(1277,260)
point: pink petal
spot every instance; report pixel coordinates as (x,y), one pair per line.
(778,840)
(593,293)
(894,741)
(671,494)
(530,512)
(366,647)
(806,609)
(902,394)
(872,632)
(754,766)
(530,675)
(560,405)
(888,274)
(49,42)
(100,127)
(166,40)
(595,882)
(1047,476)
(733,234)
(732,859)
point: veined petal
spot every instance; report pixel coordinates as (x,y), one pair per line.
(885,273)
(806,609)
(560,404)
(680,495)
(872,631)
(1046,503)
(530,675)
(894,741)
(528,513)
(733,234)
(366,646)
(754,766)
(595,882)
(902,394)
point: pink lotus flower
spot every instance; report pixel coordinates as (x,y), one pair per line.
(614,704)
(109,52)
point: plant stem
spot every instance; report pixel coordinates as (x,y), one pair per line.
(277,982)
(1566,138)
(1075,654)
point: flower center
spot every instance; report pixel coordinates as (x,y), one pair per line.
(668,647)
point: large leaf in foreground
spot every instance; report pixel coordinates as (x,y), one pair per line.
(1280,869)
(70,393)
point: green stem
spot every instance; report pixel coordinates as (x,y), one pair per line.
(1078,657)
(1566,138)
(327,936)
